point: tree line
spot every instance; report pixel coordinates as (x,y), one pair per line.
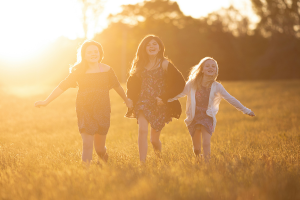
(270,51)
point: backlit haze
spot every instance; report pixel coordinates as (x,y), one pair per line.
(28,26)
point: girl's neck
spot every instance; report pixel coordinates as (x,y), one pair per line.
(152,59)
(93,65)
(207,80)
(152,63)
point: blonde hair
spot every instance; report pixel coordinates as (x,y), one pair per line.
(196,73)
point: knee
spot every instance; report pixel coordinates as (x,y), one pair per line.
(155,143)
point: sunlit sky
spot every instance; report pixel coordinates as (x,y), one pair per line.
(28,25)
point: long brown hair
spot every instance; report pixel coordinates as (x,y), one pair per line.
(81,63)
(141,57)
(196,73)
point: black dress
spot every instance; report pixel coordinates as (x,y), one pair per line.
(92,102)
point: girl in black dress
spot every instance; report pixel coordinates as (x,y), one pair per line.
(94,80)
(153,80)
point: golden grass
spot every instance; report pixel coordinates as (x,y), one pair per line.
(252,158)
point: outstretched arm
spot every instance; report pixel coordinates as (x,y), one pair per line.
(54,94)
(183,93)
(122,94)
(233,101)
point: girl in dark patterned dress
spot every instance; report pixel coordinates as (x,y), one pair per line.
(204,94)
(153,80)
(94,80)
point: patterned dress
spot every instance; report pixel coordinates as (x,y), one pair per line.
(93,102)
(201,118)
(153,85)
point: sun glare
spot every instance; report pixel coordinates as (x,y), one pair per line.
(27,26)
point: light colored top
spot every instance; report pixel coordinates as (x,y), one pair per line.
(217,92)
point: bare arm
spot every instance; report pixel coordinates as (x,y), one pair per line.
(122,94)
(54,94)
(185,92)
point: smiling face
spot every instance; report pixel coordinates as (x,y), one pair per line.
(209,68)
(152,48)
(92,54)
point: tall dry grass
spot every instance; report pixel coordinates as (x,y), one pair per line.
(252,158)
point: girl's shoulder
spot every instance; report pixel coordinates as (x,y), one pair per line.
(105,67)
(189,84)
(217,85)
(165,64)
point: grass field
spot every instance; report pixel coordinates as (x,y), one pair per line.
(252,158)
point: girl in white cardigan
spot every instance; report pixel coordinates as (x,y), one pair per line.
(204,95)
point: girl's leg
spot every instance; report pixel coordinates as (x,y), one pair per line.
(155,140)
(197,142)
(99,144)
(142,140)
(87,147)
(206,143)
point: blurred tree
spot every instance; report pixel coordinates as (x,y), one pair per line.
(165,10)
(278,17)
(222,35)
(271,51)
(187,40)
(280,23)
(91,10)
(161,17)
(230,20)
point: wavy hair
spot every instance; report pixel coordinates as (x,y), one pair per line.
(196,75)
(141,57)
(81,63)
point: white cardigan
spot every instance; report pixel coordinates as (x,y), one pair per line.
(217,92)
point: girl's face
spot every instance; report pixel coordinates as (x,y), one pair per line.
(92,54)
(152,48)
(209,68)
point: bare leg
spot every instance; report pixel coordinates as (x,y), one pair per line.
(197,142)
(142,140)
(206,143)
(99,144)
(87,147)
(155,141)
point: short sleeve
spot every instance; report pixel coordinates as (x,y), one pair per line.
(69,81)
(113,80)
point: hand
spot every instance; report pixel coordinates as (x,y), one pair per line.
(39,104)
(251,114)
(159,101)
(129,103)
